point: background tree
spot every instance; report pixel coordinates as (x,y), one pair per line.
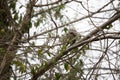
(34,34)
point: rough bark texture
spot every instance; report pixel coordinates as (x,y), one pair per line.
(5,37)
(10,33)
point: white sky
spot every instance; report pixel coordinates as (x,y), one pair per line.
(73,10)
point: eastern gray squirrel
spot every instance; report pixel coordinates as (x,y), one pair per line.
(70,37)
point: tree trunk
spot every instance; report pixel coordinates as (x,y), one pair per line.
(5,38)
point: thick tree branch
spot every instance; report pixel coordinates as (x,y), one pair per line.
(53,61)
(16,37)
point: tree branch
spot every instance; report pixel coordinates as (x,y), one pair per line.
(53,61)
(16,37)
